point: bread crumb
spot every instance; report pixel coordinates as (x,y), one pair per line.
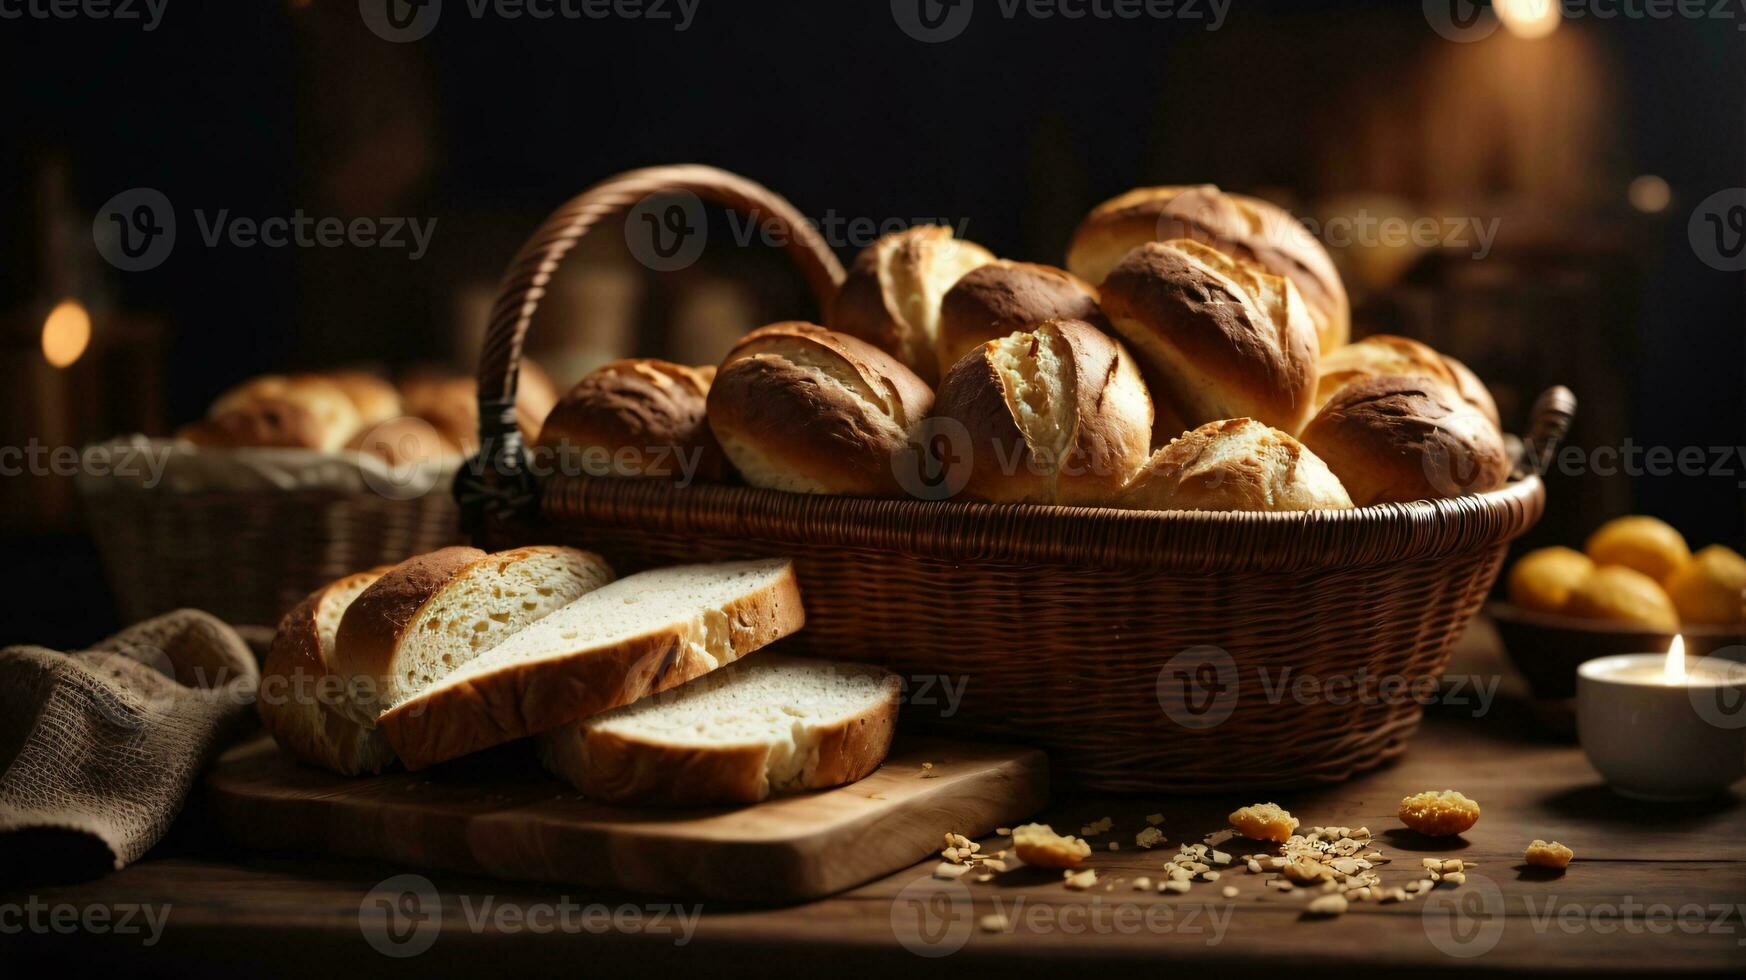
(1174,887)
(1436,814)
(1229,891)
(1149,838)
(1329,905)
(1264,821)
(1003,831)
(1543,854)
(1154,818)
(1142,884)
(949,871)
(994,922)
(1081,880)
(1038,844)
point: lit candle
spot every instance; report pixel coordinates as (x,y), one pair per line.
(1660,728)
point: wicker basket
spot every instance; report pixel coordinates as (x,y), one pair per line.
(249,555)
(1145,651)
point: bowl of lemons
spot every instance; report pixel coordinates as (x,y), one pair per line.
(1635,585)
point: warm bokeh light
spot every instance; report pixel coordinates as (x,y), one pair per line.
(1649,194)
(1528,18)
(66,333)
(1674,671)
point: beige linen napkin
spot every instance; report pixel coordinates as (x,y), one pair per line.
(106,742)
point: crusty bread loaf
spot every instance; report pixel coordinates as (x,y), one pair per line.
(1396,439)
(301,700)
(1235,464)
(1002,298)
(800,408)
(640,635)
(433,613)
(1058,415)
(767,724)
(1218,336)
(332,417)
(891,297)
(1384,354)
(270,423)
(1246,227)
(450,403)
(376,400)
(640,417)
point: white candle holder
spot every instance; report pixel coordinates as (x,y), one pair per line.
(1657,732)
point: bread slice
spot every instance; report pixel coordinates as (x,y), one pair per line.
(642,634)
(301,703)
(433,613)
(769,724)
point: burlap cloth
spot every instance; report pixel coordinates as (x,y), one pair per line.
(105,743)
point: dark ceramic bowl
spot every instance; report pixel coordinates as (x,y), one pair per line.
(1547,649)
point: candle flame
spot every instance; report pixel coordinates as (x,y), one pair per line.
(1674,672)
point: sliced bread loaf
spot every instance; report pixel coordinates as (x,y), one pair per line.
(434,613)
(642,634)
(301,701)
(768,724)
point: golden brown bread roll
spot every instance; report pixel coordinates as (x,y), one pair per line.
(1543,579)
(334,418)
(1218,336)
(1002,298)
(405,441)
(268,423)
(638,417)
(1400,439)
(376,400)
(800,408)
(1648,544)
(1384,354)
(450,403)
(1059,415)
(1235,464)
(1711,588)
(1617,594)
(891,298)
(1246,227)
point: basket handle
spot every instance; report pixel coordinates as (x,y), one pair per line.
(1548,424)
(496,486)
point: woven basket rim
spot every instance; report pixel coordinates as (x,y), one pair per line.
(1049,534)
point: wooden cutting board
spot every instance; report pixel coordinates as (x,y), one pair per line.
(499,814)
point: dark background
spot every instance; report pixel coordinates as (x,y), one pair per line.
(1017,128)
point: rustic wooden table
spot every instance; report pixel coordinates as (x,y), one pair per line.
(1655,889)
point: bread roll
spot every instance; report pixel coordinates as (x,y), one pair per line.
(1394,439)
(1543,579)
(405,441)
(263,423)
(1648,544)
(1003,298)
(639,417)
(1235,464)
(333,418)
(800,408)
(891,298)
(1219,337)
(1246,227)
(1616,594)
(301,699)
(376,400)
(1058,415)
(1711,588)
(450,403)
(1384,354)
